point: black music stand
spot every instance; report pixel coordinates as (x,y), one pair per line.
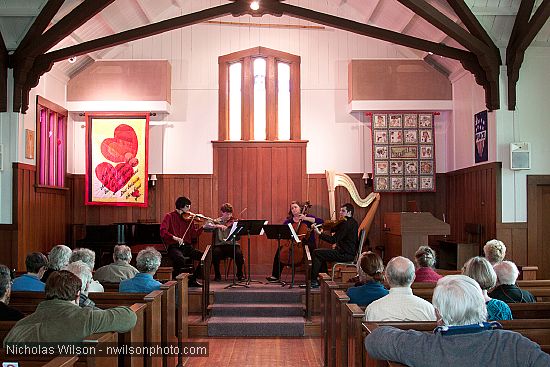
(252,227)
(233,238)
(282,232)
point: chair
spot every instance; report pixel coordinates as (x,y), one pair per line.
(362,239)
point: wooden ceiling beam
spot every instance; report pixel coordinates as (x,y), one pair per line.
(41,22)
(67,25)
(446,25)
(523,34)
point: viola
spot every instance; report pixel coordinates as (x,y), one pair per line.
(303,231)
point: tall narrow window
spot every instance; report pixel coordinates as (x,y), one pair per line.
(260,91)
(235,71)
(52,136)
(259,99)
(283,100)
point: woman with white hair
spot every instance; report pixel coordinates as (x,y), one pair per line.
(506,289)
(424,259)
(495,251)
(480,270)
(147,262)
(463,337)
(82,271)
(87,256)
(58,259)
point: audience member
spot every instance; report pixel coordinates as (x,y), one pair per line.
(373,289)
(495,251)
(463,337)
(425,261)
(147,262)
(400,304)
(82,271)
(120,269)
(87,256)
(7,313)
(506,289)
(36,266)
(59,319)
(58,259)
(480,270)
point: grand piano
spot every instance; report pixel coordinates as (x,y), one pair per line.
(102,238)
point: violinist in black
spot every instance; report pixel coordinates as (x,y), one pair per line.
(344,240)
(222,249)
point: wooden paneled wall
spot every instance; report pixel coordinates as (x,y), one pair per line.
(473,196)
(514,235)
(40,215)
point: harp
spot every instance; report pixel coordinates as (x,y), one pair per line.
(373,199)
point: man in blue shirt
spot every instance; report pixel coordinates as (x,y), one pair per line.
(36,266)
(147,262)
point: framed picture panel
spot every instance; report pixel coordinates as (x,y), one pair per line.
(116,158)
(403,152)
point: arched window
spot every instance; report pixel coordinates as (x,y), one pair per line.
(259,95)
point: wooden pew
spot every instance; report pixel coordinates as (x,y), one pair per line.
(182,311)
(168,315)
(339,338)
(99,341)
(539,310)
(355,315)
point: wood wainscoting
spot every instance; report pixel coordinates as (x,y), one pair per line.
(473,196)
(40,215)
(514,236)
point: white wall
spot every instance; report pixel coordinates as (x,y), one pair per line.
(336,138)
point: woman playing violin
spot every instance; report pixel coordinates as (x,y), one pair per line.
(224,249)
(180,230)
(295,216)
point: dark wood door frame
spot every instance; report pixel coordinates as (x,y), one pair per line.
(534,246)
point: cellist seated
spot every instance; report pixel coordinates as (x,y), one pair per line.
(302,223)
(222,249)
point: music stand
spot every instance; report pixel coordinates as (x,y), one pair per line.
(282,232)
(251,227)
(233,237)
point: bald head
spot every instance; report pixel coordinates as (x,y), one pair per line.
(400,272)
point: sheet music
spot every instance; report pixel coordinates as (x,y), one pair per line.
(294,235)
(233,228)
(262,231)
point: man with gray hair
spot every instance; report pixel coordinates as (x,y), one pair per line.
(82,271)
(87,256)
(7,313)
(460,307)
(147,262)
(401,304)
(120,269)
(58,259)
(506,289)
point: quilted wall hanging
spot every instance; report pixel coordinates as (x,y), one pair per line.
(403,150)
(116,158)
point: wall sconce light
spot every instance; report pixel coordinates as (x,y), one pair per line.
(72,60)
(255,5)
(152,180)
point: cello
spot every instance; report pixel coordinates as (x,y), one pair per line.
(303,231)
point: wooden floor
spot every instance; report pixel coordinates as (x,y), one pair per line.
(273,352)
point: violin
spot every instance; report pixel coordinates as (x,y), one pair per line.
(303,231)
(330,224)
(188,216)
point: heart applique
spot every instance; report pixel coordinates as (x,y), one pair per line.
(114,178)
(122,147)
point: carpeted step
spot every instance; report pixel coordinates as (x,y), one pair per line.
(256,326)
(257,309)
(258,296)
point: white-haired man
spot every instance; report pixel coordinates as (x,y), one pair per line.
(87,256)
(120,269)
(401,304)
(82,271)
(147,262)
(506,289)
(463,337)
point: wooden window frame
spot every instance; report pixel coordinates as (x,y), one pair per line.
(41,103)
(247,92)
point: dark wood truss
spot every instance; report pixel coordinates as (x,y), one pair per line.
(480,56)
